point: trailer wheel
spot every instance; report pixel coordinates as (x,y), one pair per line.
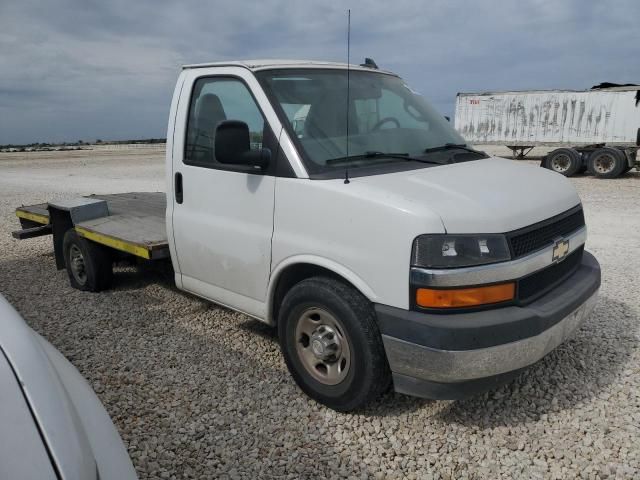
(331,344)
(607,162)
(565,161)
(89,265)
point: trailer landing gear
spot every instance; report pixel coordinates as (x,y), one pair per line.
(519,152)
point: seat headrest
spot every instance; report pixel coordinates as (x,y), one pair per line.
(327,117)
(209,112)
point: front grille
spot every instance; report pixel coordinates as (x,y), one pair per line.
(542,234)
(540,282)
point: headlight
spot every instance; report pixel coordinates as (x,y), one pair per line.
(450,251)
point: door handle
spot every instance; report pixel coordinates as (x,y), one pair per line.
(177,187)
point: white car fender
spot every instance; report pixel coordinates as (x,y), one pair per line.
(323,262)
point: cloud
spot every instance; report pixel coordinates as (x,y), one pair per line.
(79,69)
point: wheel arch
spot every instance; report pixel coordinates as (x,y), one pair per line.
(295,269)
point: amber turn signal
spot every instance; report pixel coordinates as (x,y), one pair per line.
(465,297)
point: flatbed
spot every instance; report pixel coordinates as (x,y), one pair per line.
(134,223)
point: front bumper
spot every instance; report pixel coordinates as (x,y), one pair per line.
(457,355)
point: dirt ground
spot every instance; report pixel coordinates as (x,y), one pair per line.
(198,391)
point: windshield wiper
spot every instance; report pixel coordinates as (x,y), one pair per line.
(402,156)
(375,154)
(453,146)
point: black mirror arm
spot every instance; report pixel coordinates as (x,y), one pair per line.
(254,160)
(258,158)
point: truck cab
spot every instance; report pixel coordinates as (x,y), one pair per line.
(335,203)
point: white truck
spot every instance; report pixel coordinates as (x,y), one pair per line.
(384,250)
(595,130)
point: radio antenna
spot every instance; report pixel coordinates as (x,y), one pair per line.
(346,173)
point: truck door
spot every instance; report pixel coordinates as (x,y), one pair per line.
(222,214)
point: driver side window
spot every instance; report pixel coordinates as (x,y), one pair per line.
(213,101)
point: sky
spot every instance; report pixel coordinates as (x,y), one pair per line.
(85,69)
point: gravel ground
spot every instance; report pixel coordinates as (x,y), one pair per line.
(198,391)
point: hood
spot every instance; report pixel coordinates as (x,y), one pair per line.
(75,433)
(53,412)
(492,195)
(19,433)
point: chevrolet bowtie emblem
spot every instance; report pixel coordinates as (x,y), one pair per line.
(560,250)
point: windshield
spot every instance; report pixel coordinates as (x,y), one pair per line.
(385,116)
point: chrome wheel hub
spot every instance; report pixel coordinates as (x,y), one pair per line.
(325,343)
(322,346)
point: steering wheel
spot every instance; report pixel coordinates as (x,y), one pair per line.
(384,120)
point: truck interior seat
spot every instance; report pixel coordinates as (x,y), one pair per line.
(326,122)
(209,113)
(327,118)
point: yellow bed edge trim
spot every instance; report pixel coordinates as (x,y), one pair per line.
(121,245)
(34,217)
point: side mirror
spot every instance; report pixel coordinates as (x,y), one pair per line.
(233,146)
(638,138)
(448,118)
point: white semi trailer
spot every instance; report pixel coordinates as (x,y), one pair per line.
(595,130)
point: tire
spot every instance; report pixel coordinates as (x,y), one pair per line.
(607,162)
(89,265)
(331,344)
(565,161)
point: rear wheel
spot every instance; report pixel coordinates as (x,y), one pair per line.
(565,161)
(331,343)
(89,265)
(607,162)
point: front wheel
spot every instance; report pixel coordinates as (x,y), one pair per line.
(331,344)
